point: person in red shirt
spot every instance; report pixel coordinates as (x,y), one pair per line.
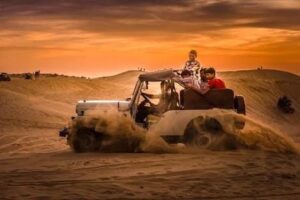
(213,82)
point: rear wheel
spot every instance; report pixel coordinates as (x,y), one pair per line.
(239,105)
(201,131)
(208,133)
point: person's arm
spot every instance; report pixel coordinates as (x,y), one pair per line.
(152,96)
(199,90)
(176,78)
(197,66)
(185,65)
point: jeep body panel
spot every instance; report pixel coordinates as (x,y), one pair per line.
(174,122)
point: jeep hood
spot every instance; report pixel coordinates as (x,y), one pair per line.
(84,106)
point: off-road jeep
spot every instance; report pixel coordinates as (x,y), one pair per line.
(176,113)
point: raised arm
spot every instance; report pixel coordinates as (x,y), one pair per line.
(200,90)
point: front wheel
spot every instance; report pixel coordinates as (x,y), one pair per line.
(84,140)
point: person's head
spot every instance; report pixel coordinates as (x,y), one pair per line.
(210,73)
(202,74)
(186,74)
(192,55)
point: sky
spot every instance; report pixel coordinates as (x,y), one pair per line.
(101,37)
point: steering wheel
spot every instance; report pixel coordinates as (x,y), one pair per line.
(147,100)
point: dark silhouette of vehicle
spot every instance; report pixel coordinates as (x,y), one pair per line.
(37,74)
(285,105)
(28,76)
(4,77)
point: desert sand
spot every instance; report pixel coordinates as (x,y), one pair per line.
(36,164)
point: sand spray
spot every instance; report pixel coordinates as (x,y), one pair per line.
(123,135)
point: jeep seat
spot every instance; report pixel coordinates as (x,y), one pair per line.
(216,98)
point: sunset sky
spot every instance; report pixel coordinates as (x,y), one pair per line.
(101,37)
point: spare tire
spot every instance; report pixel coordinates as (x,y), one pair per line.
(239,105)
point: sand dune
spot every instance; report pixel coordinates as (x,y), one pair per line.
(261,88)
(36,164)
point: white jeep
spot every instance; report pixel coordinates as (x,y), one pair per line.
(157,105)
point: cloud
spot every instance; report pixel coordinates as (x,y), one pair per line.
(122,15)
(214,26)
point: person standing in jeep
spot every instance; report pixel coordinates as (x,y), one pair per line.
(192,64)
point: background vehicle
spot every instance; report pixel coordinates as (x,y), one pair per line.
(4,77)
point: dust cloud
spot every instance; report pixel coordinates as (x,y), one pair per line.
(117,132)
(254,135)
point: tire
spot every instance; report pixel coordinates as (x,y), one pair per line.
(239,105)
(84,140)
(201,132)
(208,133)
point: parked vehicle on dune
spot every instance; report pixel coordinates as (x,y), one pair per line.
(176,118)
(4,77)
(28,76)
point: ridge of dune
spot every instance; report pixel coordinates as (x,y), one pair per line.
(261,74)
(124,74)
(128,77)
